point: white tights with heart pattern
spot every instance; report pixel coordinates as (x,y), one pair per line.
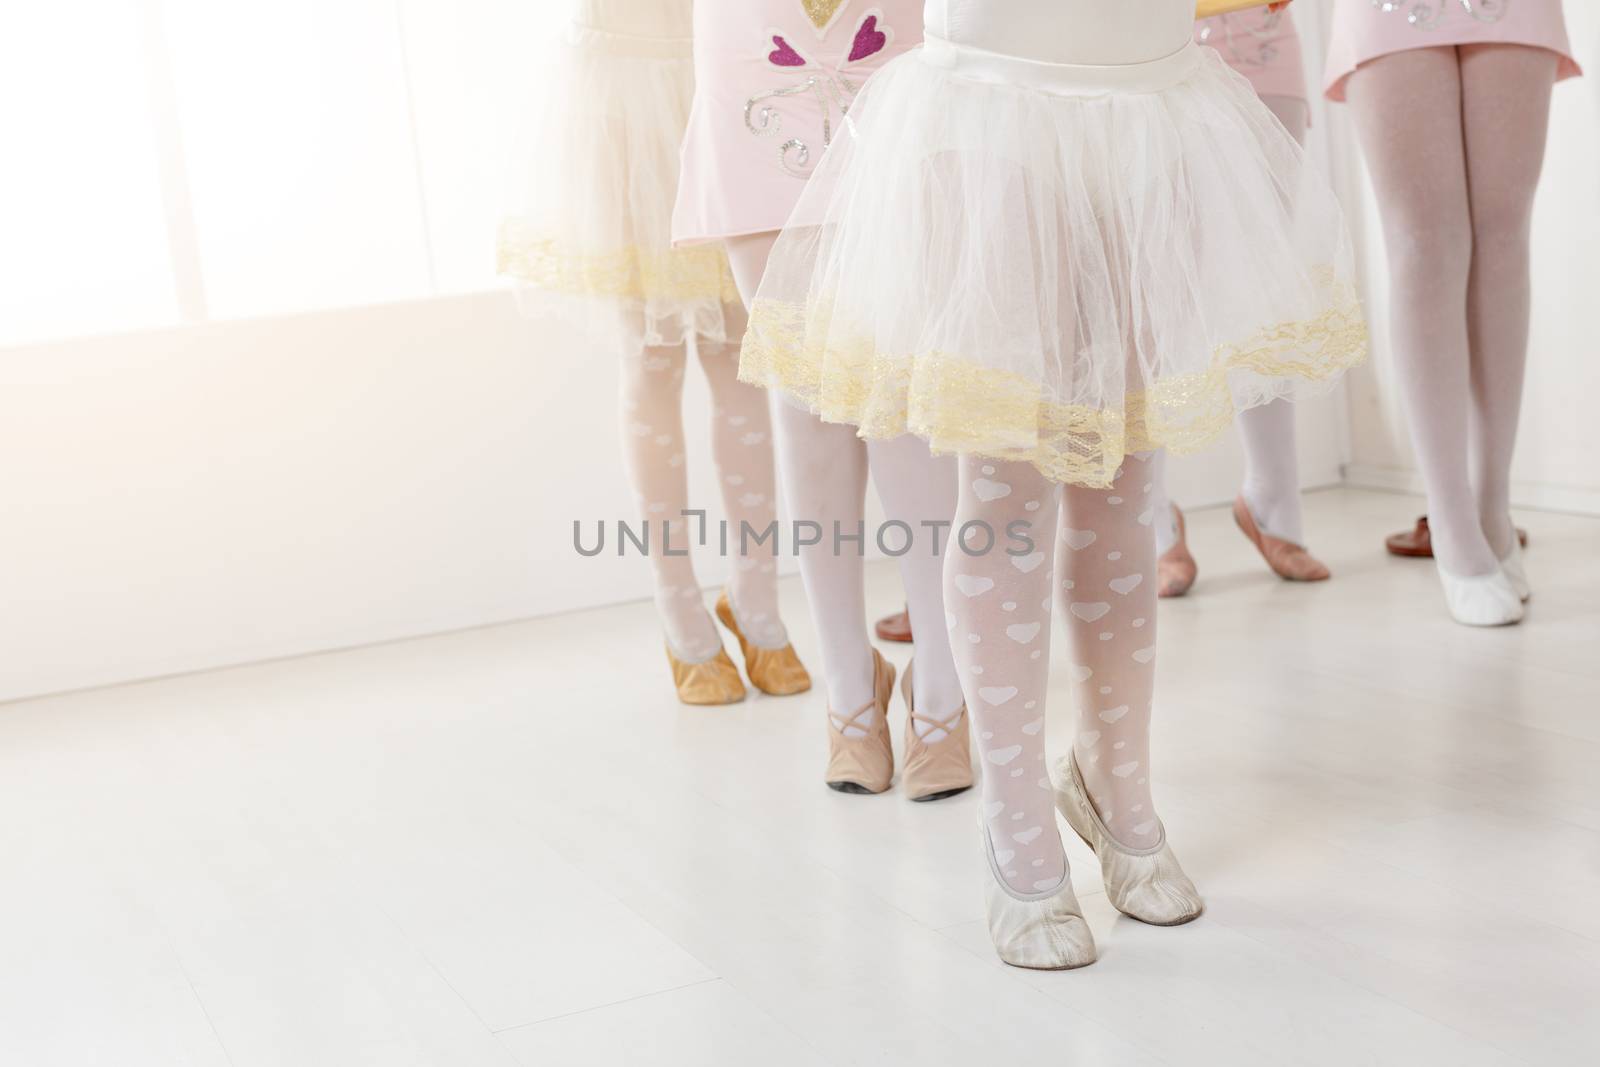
(1102,547)
(741,447)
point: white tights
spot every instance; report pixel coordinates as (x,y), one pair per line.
(1455,182)
(1097,548)
(824,471)
(741,447)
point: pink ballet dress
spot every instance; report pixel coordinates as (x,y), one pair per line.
(774,80)
(1262,45)
(1363,30)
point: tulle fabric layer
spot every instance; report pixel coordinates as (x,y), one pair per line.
(1058,279)
(590,235)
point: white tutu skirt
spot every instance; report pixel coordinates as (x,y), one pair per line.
(1060,265)
(590,236)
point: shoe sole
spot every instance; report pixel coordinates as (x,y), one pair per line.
(940,795)
(1030,967)
(854,788)
(711,703)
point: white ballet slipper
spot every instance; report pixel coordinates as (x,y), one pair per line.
(1517,570)
(1040,931)
(1481,600)
(1145,884)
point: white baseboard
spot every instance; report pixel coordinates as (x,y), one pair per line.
(1537,496)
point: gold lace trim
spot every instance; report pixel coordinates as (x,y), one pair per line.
(654,275)
(958,406)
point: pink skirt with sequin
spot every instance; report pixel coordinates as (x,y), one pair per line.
(773,82)
(1363,30)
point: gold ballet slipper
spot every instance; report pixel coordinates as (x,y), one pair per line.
(712,681)
(775,671)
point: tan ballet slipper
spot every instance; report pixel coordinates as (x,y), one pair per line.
(1287,559)
(863,764)
(1176,569)
(939,769)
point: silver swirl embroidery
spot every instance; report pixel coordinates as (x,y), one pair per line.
(831,90)
(1235,41)
(1428,14)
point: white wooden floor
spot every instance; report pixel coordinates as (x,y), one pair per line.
(511,846)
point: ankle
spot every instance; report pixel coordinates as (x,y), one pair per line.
(1166,527)
(1498,530)
(1460,547)
(690,631)
(1124,805)
(852,697)
(936,701)
(1026,872)
(755,609)
(1275,509)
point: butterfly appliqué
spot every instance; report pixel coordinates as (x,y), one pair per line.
(829,82)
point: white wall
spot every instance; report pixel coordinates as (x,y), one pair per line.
(204,495)
(1555,462)
(227,490)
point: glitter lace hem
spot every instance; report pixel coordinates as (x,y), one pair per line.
(648,275)
(959,406)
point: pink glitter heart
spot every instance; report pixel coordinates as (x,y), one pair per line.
(784,55)
(869,40)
